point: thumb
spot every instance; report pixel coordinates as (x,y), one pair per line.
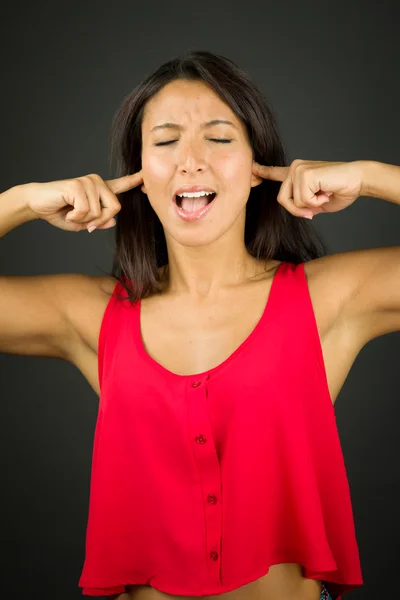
(123,184)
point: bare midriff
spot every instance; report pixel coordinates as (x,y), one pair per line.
(282,582)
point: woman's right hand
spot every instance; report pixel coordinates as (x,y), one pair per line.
(76,204)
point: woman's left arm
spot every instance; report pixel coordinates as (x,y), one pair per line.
(366,283)
(380,180)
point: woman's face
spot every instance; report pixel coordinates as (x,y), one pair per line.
(194,157)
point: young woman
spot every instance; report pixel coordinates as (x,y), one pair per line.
(218,344)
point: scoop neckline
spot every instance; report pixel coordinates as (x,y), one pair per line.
(154,363)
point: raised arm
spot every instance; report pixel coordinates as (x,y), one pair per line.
(46,315)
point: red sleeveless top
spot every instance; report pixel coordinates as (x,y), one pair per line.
(201,482)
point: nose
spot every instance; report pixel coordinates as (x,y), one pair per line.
(191,158)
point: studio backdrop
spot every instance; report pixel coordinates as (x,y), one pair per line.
(331,74)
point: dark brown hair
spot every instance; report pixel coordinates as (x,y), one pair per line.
(271,232)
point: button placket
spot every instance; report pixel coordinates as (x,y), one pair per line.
(208,469)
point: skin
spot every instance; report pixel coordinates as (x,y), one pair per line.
(212,281)
(200,253)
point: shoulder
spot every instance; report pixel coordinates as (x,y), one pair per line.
(328,291)
(358,291)
(84,299)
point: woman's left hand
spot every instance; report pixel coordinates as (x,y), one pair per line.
(314,187)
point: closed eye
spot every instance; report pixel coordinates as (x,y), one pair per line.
(221,141)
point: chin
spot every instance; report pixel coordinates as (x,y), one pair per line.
(193,239)
(203,232)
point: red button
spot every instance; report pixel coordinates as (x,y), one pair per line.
(196,384)
(214,555)
(212,499)
(201,439)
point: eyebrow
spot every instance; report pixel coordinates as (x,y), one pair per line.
(169,125)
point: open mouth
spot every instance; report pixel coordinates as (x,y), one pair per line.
(194,201)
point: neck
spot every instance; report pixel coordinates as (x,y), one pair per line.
(200,272)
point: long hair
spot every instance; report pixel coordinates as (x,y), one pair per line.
(271,232)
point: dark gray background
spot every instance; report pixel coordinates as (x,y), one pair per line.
(331,72)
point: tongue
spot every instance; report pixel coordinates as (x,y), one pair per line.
(192,204)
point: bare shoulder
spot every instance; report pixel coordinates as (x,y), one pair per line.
(81,301)
(331,286)
(357,291)
(85,300)
(329,289)
(50,315)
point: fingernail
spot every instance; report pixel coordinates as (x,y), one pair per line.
(309,216)
(91,228)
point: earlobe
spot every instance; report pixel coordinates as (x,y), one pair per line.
(255,180)
(143,189)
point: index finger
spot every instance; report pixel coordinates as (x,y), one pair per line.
(125,183)
(274,173)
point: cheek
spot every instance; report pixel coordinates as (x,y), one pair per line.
(235,169)
(156,168)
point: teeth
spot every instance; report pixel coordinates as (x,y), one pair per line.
(195,194)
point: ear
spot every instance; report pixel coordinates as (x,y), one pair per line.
(143,188)
(255,180)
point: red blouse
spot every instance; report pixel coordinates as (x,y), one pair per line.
(201,482)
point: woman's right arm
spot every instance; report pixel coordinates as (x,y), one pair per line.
(38,314)
(33,310)
(31,316)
